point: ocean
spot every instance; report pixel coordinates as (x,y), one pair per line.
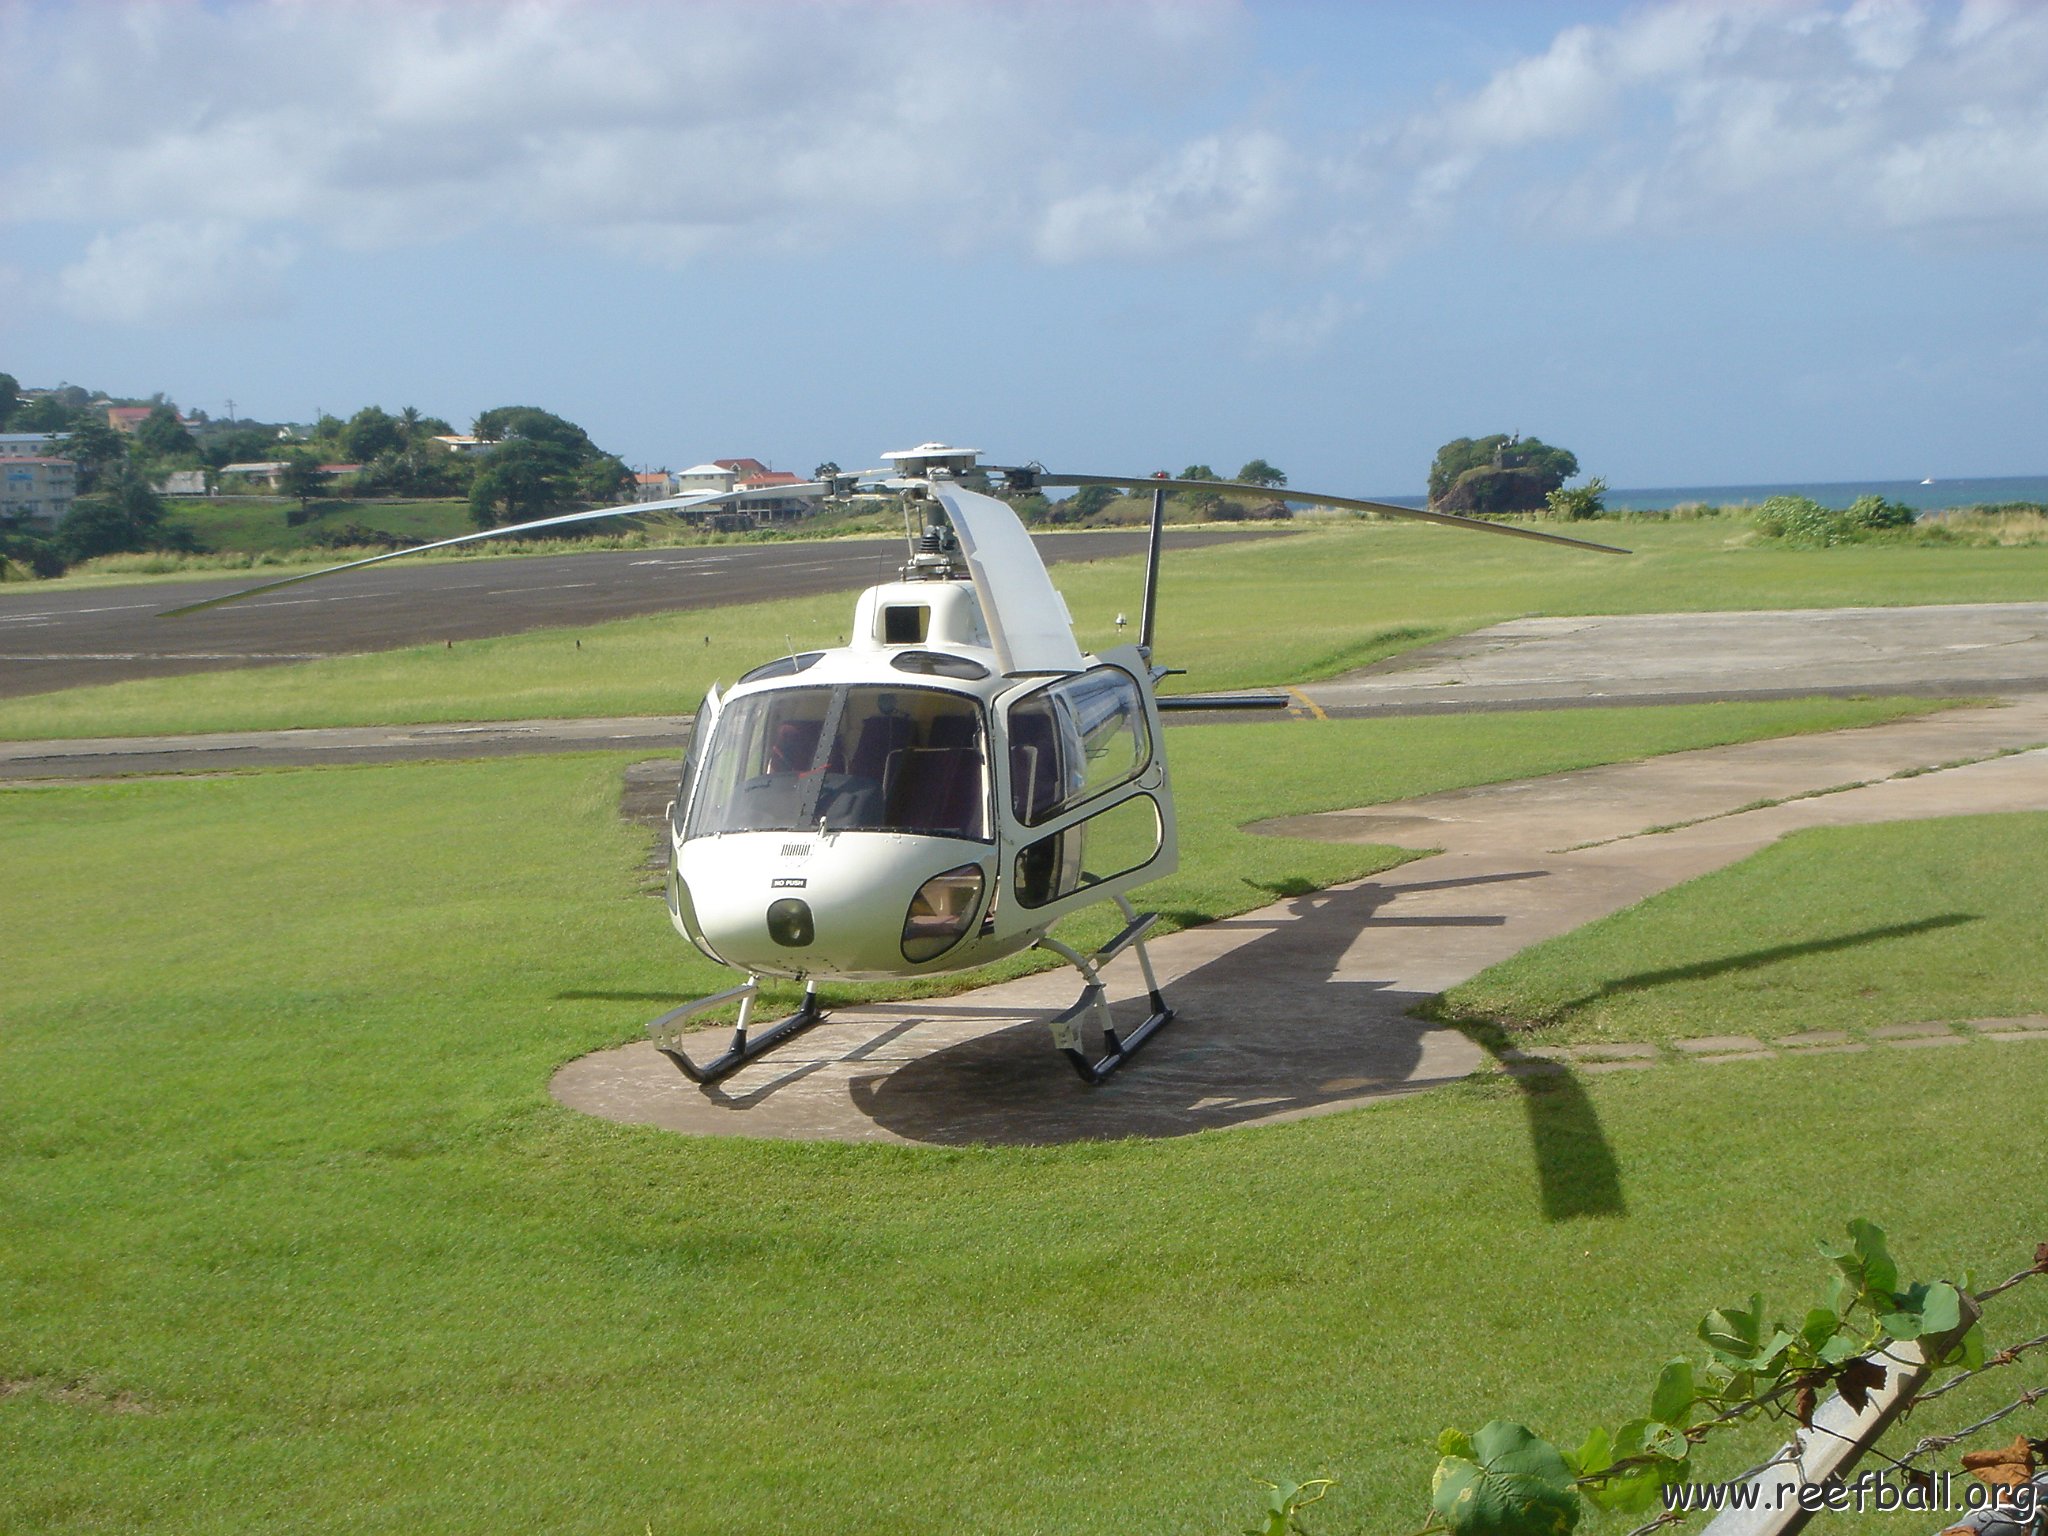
(1830,493)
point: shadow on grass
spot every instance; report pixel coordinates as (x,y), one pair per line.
(1575,1168)
(1701,970)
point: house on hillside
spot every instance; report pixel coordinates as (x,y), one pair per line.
(183,482)
(462,443)
(39,488)
(715,478)
(243,477)
(29,445)
(653,485)
(776,496)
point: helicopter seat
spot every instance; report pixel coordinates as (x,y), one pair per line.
(794,746)
(938,789)
(880,737)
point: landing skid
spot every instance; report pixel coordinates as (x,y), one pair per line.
(667,1032)
(1066,1027)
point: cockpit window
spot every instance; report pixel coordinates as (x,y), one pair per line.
(846,760)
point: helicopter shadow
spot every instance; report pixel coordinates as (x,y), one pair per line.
(1279,1026)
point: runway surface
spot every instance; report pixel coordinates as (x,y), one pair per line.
(1977,649)
(71,638)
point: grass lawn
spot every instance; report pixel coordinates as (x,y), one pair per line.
(253,524)
(1279,611)
(1833,928)
(294,1239)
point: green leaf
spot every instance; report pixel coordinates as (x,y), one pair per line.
(1970,1353)
(1941,1311)
(1900,1325)
(1669,1442)
(1733,1332)
(1840,1348)
(1633,1491)
(1453,1442)
(1595,1456)
(1841,1295)
(1672,1399)
(1770,1353)
(1514,1484)
(1820,1326)
(1880,1274)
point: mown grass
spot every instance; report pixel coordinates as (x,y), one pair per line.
(293,1237)
(1833,928)
(1259,614)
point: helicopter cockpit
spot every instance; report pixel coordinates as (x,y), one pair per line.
(846,759)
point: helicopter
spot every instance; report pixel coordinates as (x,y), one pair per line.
(942,790)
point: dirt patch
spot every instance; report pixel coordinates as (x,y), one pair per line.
(76,1394)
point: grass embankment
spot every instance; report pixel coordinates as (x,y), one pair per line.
(1837,928)
(253,525)
(294,1238)
(1277,611)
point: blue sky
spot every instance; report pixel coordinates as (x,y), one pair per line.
(1697,243)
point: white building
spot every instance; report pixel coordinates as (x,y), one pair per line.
(29,445)
(39,488)
(716,478)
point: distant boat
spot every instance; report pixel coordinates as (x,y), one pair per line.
(1928,481)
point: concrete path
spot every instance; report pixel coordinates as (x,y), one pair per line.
(1962,648)
(1303,1007)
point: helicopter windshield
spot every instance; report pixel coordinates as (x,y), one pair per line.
(846,760)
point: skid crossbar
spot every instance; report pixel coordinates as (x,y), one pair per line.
(1066,1027)
(667,1031)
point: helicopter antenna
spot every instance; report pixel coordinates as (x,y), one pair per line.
(1150,611)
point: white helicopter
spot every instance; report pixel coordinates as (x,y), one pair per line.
(941,791)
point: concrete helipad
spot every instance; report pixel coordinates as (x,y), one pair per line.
(1303,1007)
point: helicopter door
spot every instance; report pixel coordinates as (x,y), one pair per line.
(682,911)
(1087,811)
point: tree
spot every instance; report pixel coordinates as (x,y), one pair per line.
(10,398)
(126,515)
(1198,472)
(506,422)
(98,450)
(825,471)
(1259,472)
(301,477)
(369,432)
(1502,473)
(603,479)
(520,481)
(163,436)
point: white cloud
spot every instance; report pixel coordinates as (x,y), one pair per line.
(170,269)
(1710,117)
(678,125)
(193,148)
(1293,332)
(1218,190)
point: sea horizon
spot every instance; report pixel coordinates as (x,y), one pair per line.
(1920,496)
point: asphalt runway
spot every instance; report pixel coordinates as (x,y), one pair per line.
(1959,650)
(74,638)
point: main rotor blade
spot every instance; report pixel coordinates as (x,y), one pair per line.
(629,509)
(1349,503)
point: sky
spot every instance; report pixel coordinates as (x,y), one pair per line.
(1696,243)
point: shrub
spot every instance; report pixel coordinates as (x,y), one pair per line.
(1579,503)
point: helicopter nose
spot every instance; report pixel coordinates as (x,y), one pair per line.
(790,923)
